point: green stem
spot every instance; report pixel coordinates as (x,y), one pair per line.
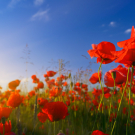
(120,103)
(129,114)
(35,110)
(112,103)
(101,97)
(54,127)
(3,129)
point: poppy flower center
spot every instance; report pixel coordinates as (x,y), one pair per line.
(133,63)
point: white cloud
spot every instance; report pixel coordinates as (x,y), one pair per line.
(112,24)
(38,2)
(40,15)
(127,31)
(26,79)
(13,2)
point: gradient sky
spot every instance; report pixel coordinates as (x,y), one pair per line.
(58,29)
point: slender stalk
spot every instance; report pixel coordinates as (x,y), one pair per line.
(112,103)
(35,110)
(54,127)
(18,121)
(3,120)
(120,103)
(129,114)
(3,129)
(101,97)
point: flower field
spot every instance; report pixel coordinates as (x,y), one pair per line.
(68,108)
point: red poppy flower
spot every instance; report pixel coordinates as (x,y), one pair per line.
(127,55)
(103,51)
(132,117)
(40,85)
(77,84)
(119,100)
(95,102)
(97,132)
(50,83)
(65,84)
(128,42)
(5,112)
(45,75)
(62,77)
(133,90)
(55,111)
(42,101)
(106,90)
(94,78)
(12,85)
(112,116)
(124,110)
(75,108)
(115,92)
(7,128)
(14,100)
(131,101)
(42,117)
(33,77)
(51,73)
(97,92)
(63,93)
(68,103)
(78,89)
(121,76)
(107,95)
(36,80)
(54,92)
(84,85)
(31,93)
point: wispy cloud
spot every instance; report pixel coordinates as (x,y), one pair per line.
(38,2)
(113,24)
(127,31)
(25,79)
(41,15)
(12,3)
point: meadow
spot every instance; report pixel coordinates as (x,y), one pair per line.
(65,106)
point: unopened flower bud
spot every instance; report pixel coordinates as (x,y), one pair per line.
(3,119)
(69,75)
(71,84)
(114,74)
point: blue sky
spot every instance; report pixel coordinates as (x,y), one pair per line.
(58,29)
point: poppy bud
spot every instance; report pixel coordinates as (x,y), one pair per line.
(114,74)
(3,119)
(71,84)
(69,75)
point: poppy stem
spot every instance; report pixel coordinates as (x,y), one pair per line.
(120,102)
(3,119)
(35,110)
(54,127)
(112,103)
(101,97)
(3,129)
(18,121)
(129,114)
